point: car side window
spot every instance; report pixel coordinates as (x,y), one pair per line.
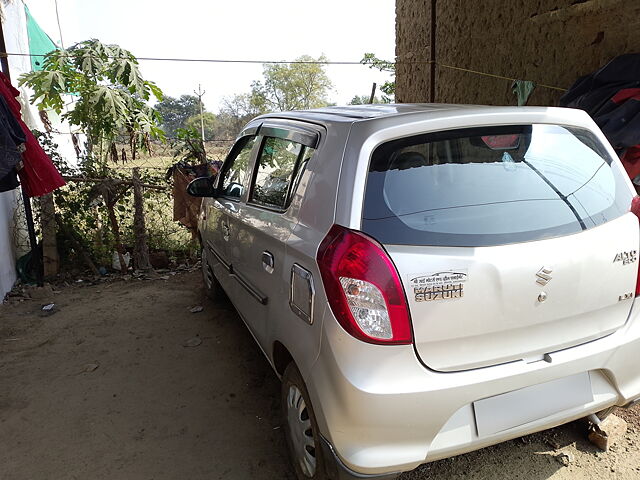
(235,173)
(306,156)
(278,168)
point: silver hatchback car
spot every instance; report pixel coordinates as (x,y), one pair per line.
(427,279)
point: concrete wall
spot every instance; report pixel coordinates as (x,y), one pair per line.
(8,204)
(551,42)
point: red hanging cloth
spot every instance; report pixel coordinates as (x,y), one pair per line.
(39,175)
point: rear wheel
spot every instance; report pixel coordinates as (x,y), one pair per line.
(301,430)
(212,287)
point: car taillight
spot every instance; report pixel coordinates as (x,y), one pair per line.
(635,209)
(363,288)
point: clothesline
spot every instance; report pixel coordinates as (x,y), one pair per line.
(320,62)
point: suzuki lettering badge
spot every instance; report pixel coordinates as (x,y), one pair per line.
(544,276)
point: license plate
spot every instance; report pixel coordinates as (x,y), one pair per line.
(509,410)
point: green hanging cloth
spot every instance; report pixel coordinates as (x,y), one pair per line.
(39,42)
(522,90)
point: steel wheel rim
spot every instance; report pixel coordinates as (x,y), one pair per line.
(301,431)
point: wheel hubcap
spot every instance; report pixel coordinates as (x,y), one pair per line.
(301,431)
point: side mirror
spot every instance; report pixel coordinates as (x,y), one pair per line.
(201,187)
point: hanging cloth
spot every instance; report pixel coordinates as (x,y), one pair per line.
(11,136)
(523,90)
(611,95)
(39,175)
(39,42)
(185,207)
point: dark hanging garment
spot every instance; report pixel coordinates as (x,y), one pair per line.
(11,140)
(611,96)
(11,136)
(39,175)
(9,181)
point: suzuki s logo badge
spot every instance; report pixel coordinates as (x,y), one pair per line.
(544,276)
(626,257)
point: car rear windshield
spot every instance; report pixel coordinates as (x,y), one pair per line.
(491,186)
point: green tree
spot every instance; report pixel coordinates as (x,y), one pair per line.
(210,122)
(293,86)
(236,111)
(389,87)
(176,111)
(188,146)
(110,94)
(364,100)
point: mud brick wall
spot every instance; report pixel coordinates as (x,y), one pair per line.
(551,42)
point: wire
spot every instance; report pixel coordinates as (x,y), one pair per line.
(210,60)
(57,132)
(494,76)
(317,62)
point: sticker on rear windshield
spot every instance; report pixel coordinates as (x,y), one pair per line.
(446,285)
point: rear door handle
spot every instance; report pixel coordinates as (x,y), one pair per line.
(268,262)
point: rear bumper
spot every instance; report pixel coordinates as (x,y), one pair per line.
(383,412)
(337,470)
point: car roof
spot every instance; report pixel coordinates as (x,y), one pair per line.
(401,111)
(351,113)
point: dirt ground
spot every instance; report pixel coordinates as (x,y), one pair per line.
(122,381)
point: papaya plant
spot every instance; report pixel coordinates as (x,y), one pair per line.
(100,89)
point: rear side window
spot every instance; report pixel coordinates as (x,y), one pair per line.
(279,167)
(491,186)
(235,172)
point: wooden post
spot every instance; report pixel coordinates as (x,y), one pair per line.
(116,233)
(4,62)
(141,249)
(432,52)
(50,258)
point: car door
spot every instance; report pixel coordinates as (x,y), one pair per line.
(231,185)
(262,226)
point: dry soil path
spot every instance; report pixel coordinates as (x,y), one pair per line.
(105,389)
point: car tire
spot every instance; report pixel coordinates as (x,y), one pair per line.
(301,428)
(212,287)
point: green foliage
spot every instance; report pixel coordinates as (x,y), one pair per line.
(176,111)
(235,112)
(110,94)
(210,122)
(83,210)
(388,88)
(364,100)
(294,86)
(110,99)
(188,146)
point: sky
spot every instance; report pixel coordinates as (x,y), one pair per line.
(342,30)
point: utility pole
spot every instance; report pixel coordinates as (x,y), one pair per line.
(373,92)
(200,94)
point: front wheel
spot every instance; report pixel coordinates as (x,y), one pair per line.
(301,428)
